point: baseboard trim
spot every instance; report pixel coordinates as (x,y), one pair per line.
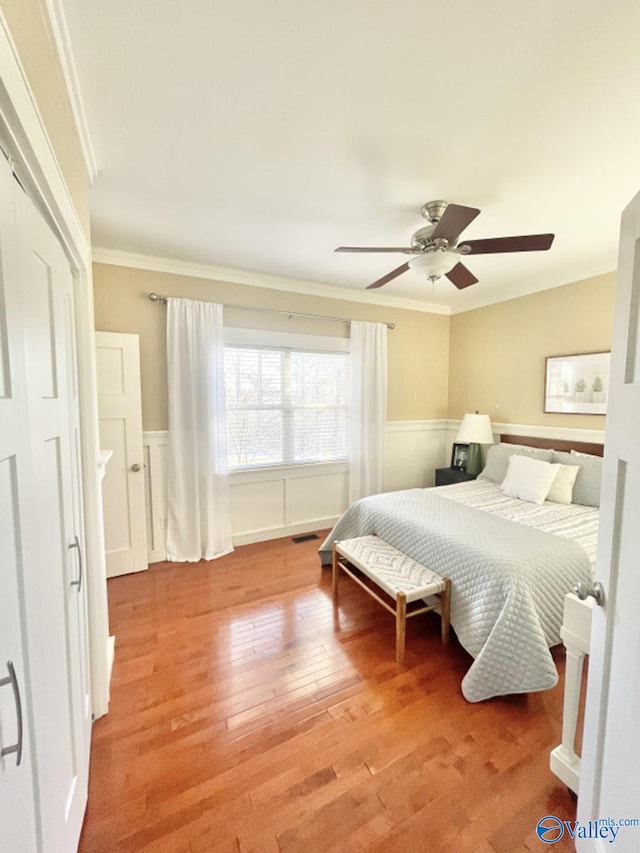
(280,532)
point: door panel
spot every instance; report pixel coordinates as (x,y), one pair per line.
(56,750)
(42,354)
(18,815)
(55,605)
(17,806)
(123,488)
(77,599)
(118,533)
(610,773)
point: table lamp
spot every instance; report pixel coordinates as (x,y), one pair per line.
(475,430)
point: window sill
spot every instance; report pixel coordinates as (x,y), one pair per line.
(287,472)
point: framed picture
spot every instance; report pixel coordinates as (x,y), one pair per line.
(459,456)
(577,384)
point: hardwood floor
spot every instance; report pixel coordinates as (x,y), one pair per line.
(246,717)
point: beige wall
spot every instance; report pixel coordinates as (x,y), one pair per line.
(498,353)
(418,346)
(491,359)
(33,40)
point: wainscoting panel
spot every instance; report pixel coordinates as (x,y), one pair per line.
(257,507)
(156,446)
(268,503)
(414,449)
(315,496)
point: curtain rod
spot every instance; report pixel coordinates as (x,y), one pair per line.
(156,297)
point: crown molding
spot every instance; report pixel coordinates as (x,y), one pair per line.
(31,152)
(60,33)
(255,279)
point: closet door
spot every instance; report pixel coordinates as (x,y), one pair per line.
(55,584)
(77,591)
(54,579)
(17,531)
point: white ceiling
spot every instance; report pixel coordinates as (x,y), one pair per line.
(260,134)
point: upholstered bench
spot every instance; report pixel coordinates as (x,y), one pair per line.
(403,579)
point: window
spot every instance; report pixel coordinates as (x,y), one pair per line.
(285,405)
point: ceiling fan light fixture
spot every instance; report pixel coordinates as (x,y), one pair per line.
(433,265)
(436,248)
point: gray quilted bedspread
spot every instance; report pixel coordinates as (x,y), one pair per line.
(508,581)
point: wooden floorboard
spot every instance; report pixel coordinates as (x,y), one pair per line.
(247,716)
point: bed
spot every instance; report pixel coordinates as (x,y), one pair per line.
(510,560)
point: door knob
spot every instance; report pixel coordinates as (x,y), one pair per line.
(135,467)
(582,590)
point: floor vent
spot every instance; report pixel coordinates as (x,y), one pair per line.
(306,538)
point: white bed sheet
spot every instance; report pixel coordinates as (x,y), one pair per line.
(571,521)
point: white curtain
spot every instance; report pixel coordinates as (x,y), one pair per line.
(199,519)
(368,408)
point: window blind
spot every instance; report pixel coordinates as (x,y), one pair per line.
(285,405)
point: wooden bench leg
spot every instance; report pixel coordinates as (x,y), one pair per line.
(445,610)
(334,575)
(401,625)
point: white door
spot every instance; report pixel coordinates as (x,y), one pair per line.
(17,805)
(54,589)
(77,591)
(610,776)
(120,414)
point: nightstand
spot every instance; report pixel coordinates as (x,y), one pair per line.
(447,476)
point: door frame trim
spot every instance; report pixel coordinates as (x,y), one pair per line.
(27,144)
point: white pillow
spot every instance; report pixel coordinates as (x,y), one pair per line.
(561,491)
(529,479)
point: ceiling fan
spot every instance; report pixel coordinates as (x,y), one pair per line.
(436,250)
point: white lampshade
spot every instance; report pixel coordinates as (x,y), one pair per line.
(475,429)
(434,264)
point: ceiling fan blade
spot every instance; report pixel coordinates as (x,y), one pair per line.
(493,245)
(389,276)
(454,220)
(407,249)
(461,276)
